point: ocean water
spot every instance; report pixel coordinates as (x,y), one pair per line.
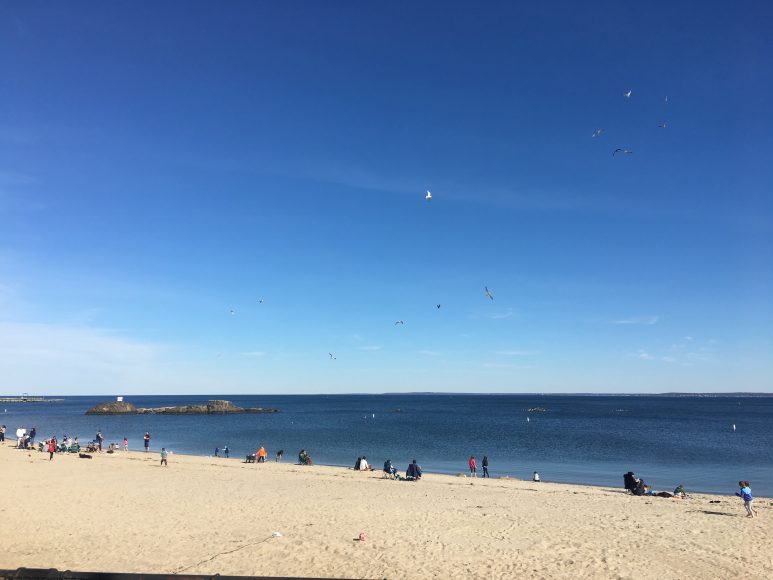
(580,439)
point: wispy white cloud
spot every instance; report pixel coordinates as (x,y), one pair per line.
(642,320)
(501,315)
(642,354)
(51,350)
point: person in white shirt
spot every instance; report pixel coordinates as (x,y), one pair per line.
(20,433)
(364,465)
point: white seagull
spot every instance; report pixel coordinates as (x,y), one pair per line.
(597,132)
(489,295)
(627,95)
(428,197)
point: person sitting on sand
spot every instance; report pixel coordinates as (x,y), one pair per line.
(304,458)
(357,463)
(413,472)
(679,492)
(390,469)
(641,488)
(261,455)
(364,466)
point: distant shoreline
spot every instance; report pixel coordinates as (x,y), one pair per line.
(740,394)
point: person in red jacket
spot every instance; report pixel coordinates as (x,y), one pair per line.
(473,467)
(51,448)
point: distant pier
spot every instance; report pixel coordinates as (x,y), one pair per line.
(29,400)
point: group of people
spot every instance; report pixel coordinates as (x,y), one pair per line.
(24,439)
(412,473)
(474,466)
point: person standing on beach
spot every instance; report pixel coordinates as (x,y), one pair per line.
(99,439)
(261,454)
(20,433)
(125,444)
(2,433)
(225,451)
(746,495)
(217,451)
(484,464)
(473,467)
(147,441)
(163,457)
(33,432)
(51,448)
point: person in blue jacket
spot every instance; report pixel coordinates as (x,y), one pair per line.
(746,495)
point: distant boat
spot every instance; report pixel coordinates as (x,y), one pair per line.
(733,427)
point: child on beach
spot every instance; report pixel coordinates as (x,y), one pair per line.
(163,457)
(473,467)
(125,444)
(746,495)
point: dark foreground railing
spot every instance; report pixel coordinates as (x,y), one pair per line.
(53,573)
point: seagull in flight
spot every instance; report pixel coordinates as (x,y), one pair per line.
(232,312)
(428,197)
(663,125)
(618,150)
(438,306)
(597,132)
(331,356)
(260,300)
(488,293)
(628,94)
(399,322)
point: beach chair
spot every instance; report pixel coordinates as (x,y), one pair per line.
(250,458)
(75,448)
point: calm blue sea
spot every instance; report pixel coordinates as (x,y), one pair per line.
(580,439)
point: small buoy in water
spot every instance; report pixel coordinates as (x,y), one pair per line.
(374,415)
(527,419)
(733,426)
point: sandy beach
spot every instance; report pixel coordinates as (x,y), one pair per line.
(125,513)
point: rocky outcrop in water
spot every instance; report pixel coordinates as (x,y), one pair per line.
(214,407)
(113,408)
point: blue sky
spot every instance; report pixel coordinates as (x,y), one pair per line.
(162,164)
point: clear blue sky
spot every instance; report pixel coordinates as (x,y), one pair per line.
(164,163)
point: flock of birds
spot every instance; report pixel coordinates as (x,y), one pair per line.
(624,151)
(486,291)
